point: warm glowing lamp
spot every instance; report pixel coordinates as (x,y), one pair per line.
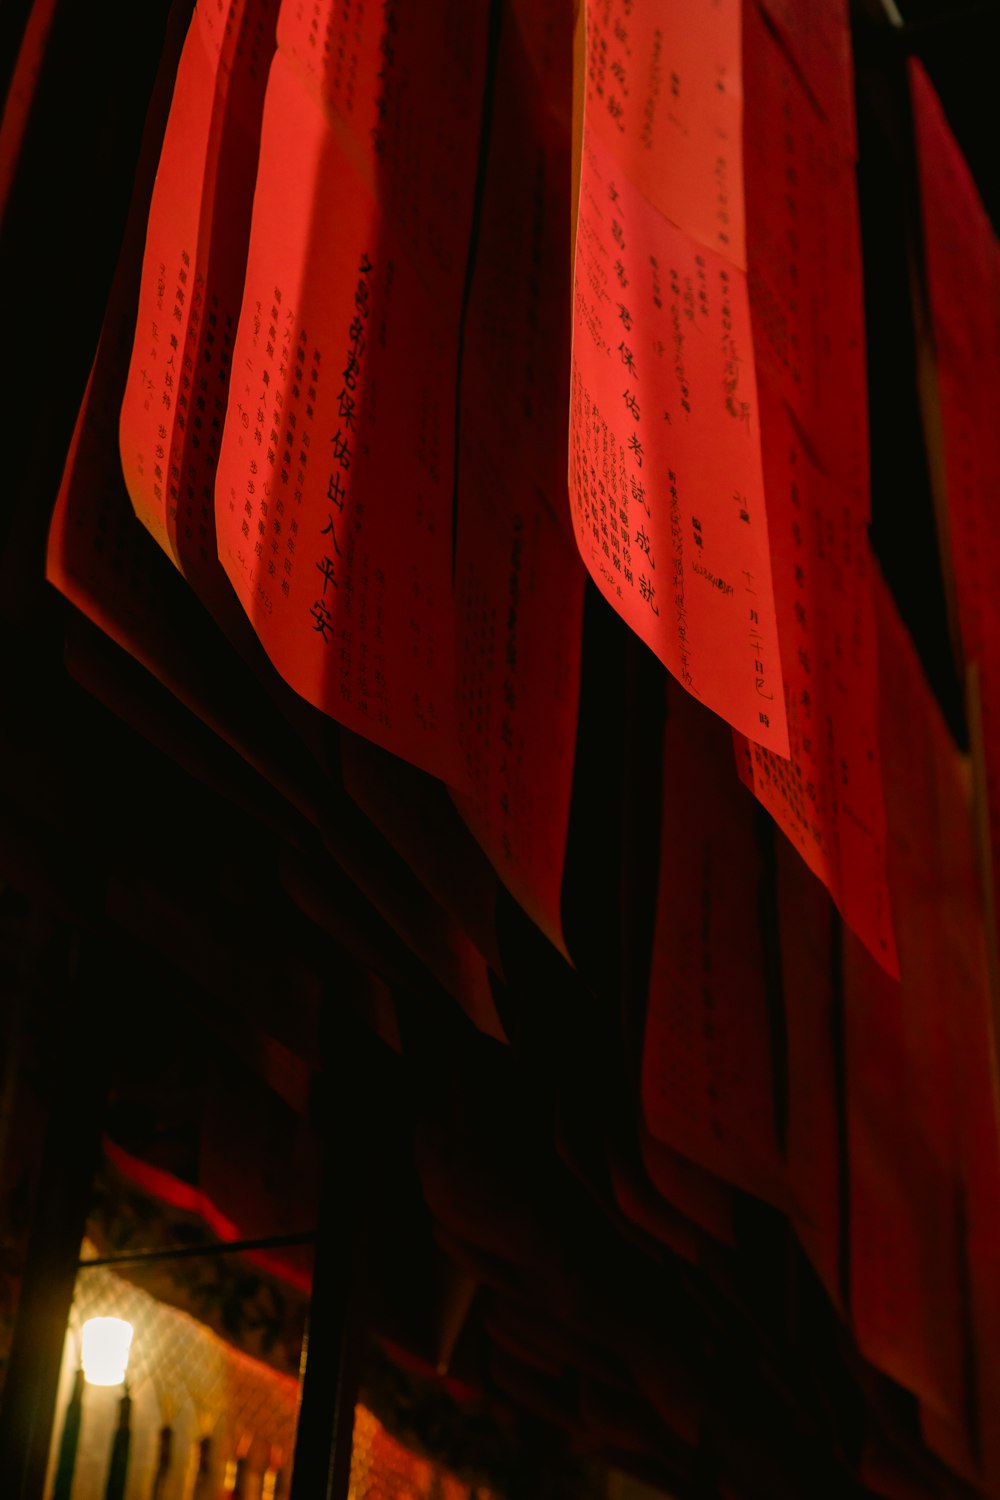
(105,1348)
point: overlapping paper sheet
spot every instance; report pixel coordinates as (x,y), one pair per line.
(707,1067)
(961,288)
(414,813)
(666,487)
(818,40)
(804,267)
(429,931)
(518,581)
(519,612)
(703,1198)
(804,248)
(809,935)
(177,389)
(98,555)
(358,229)
(923,1124)
(335,485)
(639,1203)
(297,385)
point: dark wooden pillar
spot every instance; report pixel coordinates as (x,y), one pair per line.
(84,1038)
(334,1340)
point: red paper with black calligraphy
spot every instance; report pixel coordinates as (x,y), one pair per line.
(804,258)
(922,1120)
(827,797)
(519,613)
(817,35)
(962,287)
(108,566)
(942,923)
(334,492)
(804,267)
(176,393)
(666,490)
(98,556)
(707,1070)
(664,96)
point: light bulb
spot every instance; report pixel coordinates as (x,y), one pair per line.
(105,1349)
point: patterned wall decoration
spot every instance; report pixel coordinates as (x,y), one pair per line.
(230,1416)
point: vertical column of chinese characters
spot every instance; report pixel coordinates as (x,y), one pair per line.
(343,456)
(387,47)
(275,423)
(757,646)
(595,425)
(181,402)
(201,450)
(577,457)
(615,59)
(242,415)
(638,494)
(677,581)
(298,434)
(176,394)
(148,390)
(737,408)
(630,398)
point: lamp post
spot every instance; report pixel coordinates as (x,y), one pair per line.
(120,1444)
(104,1352)
(63,1484)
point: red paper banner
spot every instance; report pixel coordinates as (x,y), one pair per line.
(334,492)
(809,932)
(827,797)
(962,284)
(707,1071)
(804,258)
(666,489)
(177,389)
(922,1116)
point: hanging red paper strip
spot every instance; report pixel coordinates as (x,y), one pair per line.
(804,259)
(334,492)
(809,931)
(518,581)
(177,388)
(828,796)
(922,1118)
(707,1069)
(962,287)
(665,478)
(519,612)
(817,34)
(804,265)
